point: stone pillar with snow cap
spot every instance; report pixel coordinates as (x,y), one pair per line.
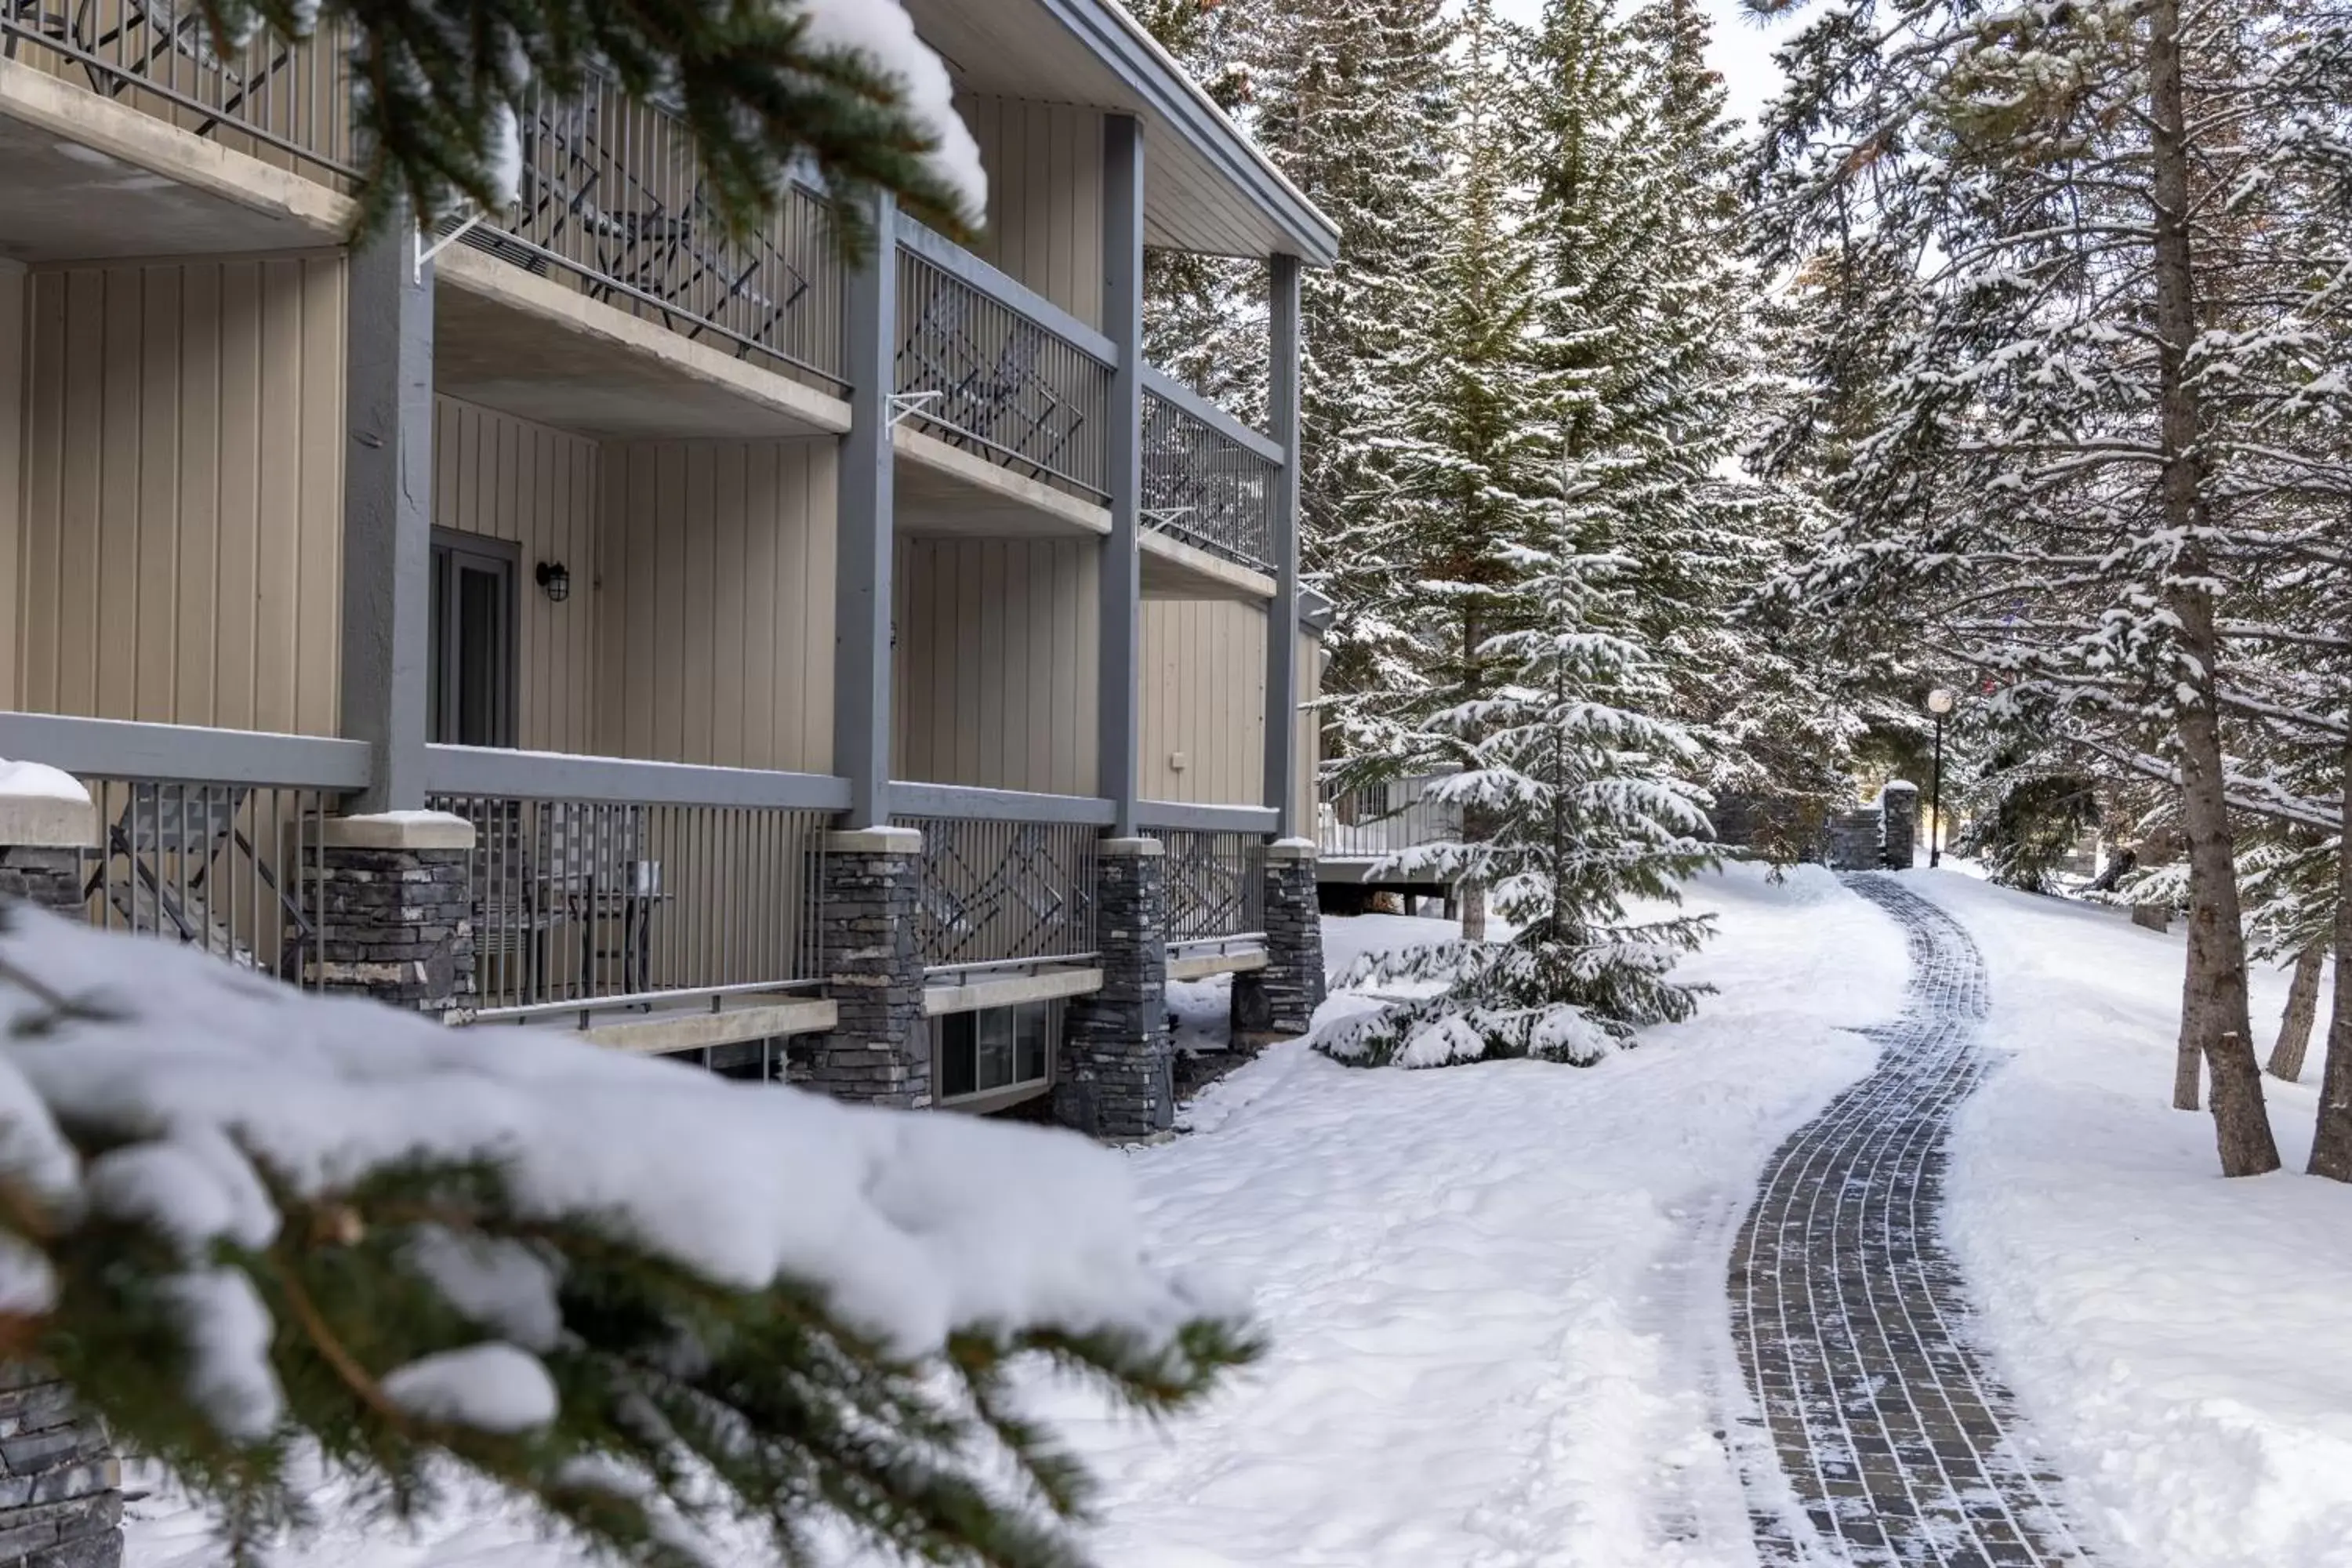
(880,1049)
(1278,1001)
(1117,1077)
(47,826)
(60,1483)
(389,894)
(1898,813)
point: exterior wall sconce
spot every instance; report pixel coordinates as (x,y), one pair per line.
(556,578)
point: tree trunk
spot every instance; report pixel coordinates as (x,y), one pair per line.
(2188,1067)
(2241,1124)
(2214,1022)
(1474,912)
(2301,1009)
(2331,1145)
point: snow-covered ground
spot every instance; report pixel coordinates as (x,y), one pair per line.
(1493,1292)
(2183,1344)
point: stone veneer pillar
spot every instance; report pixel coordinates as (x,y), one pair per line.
(879,1051)
(1278,1001)
(61,1484)
(396,917)
(1898,810)
(1117,1077)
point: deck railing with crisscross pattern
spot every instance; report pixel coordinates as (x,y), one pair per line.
(288,104)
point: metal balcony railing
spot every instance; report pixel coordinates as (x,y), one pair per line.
(999,892)
(1217,884)
(287,103)
(1202,483)
(987,366)
(612,197)
(1377,820)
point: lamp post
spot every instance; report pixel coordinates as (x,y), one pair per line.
(1939,702)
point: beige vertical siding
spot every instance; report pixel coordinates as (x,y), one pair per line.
(181,540)
(1045,196)
(1203,678)
(994,677)
(1312,660)
(535,486)
(11,471)
(715,619)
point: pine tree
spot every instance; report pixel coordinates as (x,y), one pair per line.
(1652,311)
(841,84)
(1352,101)
(245,1226)
(1586,810)
(2099,432)
(1534,719)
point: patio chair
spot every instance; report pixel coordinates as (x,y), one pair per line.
(170,838)
(596,863)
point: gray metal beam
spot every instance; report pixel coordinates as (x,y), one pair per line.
(966,803)
(1282,611)
(388,512)
(1122,554)
(620,781)
(1175,815)
(861,613)
(184,754)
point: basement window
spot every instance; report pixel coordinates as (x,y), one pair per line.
(994,1051)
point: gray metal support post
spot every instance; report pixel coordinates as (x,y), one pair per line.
(1122,560)
(861,611)
(1282,614)
(388,514)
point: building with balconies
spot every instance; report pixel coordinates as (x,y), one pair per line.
(580,617)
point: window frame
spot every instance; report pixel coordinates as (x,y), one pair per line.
(982,1100)
(451,550)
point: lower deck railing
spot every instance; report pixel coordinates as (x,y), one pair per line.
(232,868)
(622,903)
(1217,884)
(1001,892)
(1375,820)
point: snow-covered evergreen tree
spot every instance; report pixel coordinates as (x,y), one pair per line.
(2106,421)
(1585,809)
(843,84)
(671,1317)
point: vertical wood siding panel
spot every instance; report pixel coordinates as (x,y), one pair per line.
(14,372)
(156,462)
(277,600)
(730,639)
(319,460)
(44,492)
(118,461)
(201,456)
(238,651)
(821,529)
(74,628)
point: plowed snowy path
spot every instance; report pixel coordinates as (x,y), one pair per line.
(1850,1319)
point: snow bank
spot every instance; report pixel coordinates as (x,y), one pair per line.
(2180,1342)
(206,1075)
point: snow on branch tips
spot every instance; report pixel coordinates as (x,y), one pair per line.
(239,1219)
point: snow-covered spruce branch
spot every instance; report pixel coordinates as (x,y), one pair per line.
(657,1307)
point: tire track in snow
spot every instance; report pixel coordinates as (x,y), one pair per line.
(1849,1315)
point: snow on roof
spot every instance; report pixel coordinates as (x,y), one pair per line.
(911,1226)
(882,30)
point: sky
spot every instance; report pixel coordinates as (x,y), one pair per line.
(1741,49)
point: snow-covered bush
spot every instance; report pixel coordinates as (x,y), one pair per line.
(240,1221)
(1574,805)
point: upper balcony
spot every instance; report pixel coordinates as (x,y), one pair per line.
(1002,375)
